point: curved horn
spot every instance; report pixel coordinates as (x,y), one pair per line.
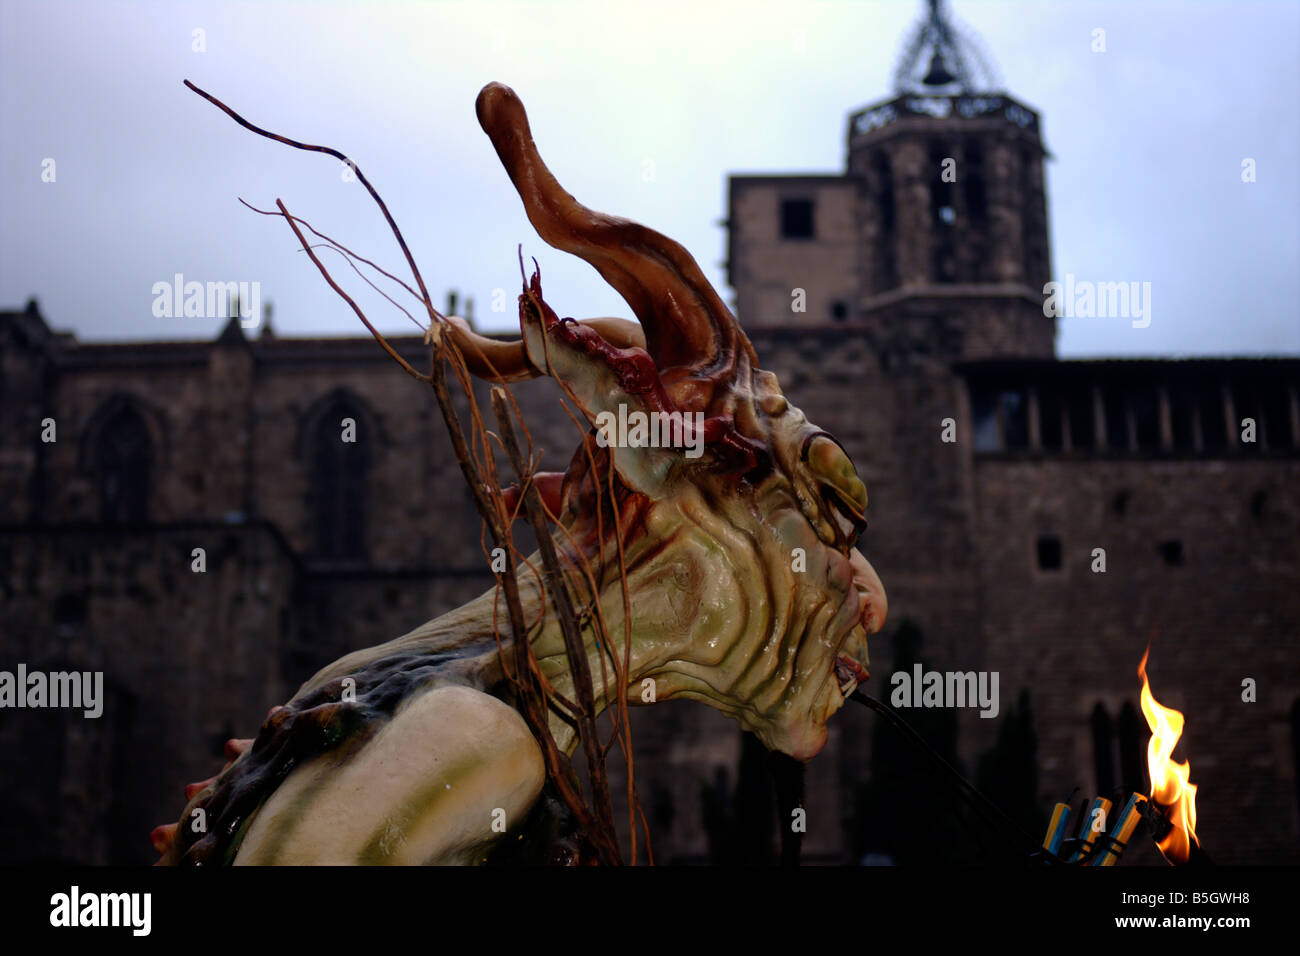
(686,323)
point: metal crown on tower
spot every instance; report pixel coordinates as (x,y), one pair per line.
(937,58)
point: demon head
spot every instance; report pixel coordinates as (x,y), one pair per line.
(735,517)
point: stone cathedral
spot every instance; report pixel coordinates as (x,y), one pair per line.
(900,301)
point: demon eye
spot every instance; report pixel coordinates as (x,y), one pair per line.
(843,495)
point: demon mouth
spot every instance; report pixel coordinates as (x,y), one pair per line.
(849,672)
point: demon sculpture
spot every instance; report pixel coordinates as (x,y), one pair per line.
(722,568)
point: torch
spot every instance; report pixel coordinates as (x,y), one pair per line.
(1171,810)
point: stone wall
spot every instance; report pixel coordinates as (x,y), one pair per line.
(191,659)
(1229,611)
(188,660)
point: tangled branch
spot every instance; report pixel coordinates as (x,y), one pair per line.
(535,697)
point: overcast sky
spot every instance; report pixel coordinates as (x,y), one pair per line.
(1147,141)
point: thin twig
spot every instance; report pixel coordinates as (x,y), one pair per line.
(334,242)
(362,276)
(348,299)
(361,177)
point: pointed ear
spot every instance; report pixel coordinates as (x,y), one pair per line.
(613,387)
(501,362)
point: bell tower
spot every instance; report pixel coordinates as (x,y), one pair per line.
(951,205)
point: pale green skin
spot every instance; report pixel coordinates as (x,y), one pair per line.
(720,615)
(742,594)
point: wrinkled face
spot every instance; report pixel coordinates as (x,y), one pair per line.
(749,591)
(776,602)
(814,505)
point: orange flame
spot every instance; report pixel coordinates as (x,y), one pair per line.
(1171,785)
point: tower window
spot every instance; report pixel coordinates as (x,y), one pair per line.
(1079,408)
(1258,501)
(1032,228)
(1246,404)
(1120,503)
(976,203)
(1015,418)
(1049,419)
(70,609)
(944,213)
(1001,418)
(1172,552)
(1116,421)
(984,411)
(797,219)
(883,267)
(1276,409)
(1146,418)
(1182,412)
(1214,435)
(1049,553)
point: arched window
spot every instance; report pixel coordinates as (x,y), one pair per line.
(339,461)
(976,197)
(1032,231)
(125,457)
(884,269)
(943,217)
